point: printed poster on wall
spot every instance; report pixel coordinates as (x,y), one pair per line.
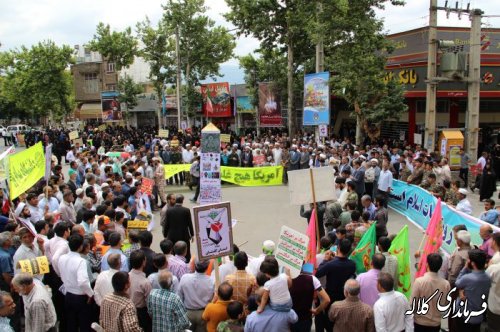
(210,174)
(269,106)
(111,110)
(316,99)
(216,100)
(213,227)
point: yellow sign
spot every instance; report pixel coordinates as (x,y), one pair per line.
(25,169)
(73,135)
(253,176)
(455,156)
(163,133)
(38,265)
(102,127)
(171,170)
(242,176)
(225,138)
(137,224)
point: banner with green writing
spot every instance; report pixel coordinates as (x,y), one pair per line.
(364,251)
(25,169)
(400,248)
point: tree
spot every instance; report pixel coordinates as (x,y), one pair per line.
(282,25)
(37,80)
(203,46)
(356,50)
(128,90)
(119,47)
(158,49)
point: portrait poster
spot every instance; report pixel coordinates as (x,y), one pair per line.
(316,99)
(269,106)
(213,228)
(216,100)
(111,109)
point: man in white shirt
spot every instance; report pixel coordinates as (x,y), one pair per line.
(385,181)
(463,205)
(35,211)
(28,249)
(103,284)
(277,154)
(76,286)
(390,309)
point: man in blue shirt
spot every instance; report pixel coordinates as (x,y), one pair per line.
(473,285)
(6,261)
(490,215)
(269,319)
(368,206)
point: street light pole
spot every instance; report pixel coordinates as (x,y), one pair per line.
(178,63)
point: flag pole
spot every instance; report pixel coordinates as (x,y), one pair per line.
(315,208)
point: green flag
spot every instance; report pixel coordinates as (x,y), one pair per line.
(400,248)
(364,251)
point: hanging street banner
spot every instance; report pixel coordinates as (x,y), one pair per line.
(210,182)
(269,106)
(316,99)
(111,109)
(418,205)
(216,100)
(25,169)
(242,176)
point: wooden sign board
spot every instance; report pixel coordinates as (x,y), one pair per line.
(73,135)
(300,188)
(163,133)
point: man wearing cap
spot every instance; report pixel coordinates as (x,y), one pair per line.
(268,248)
(463,205)
(247,158)
(79,199)
(28,249)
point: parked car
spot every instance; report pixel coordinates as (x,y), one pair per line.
(17,128)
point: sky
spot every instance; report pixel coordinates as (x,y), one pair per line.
(25,22)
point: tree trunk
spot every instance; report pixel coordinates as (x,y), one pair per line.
(290,107)
(359,124)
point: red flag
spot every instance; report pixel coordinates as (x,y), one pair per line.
(311,232)
(434,235)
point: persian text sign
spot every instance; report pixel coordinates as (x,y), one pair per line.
(25,169)
(253,176)
(38,265)
(418,205)
(147,186)
(292,250)
(316,99)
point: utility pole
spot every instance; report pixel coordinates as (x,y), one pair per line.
(320,54)
(178,84)
(473,87)
(430,105)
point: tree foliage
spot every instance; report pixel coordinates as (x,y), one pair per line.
(203,45)
(36,80)
(119,47)
(129,90)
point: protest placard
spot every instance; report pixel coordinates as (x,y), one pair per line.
(78,141)
(102,127)
(163,133)
(213,227)
(73,135)
(300,186)
(291,250)
(147,186)
(25,169)
(137,224)
(225,138)
(38,265)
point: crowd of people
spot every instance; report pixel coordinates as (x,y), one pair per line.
(101,271)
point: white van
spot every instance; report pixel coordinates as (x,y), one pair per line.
(17,128)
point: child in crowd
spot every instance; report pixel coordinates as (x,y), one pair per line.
(276,289)
(235,321)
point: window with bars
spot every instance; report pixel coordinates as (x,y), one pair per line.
(110,67)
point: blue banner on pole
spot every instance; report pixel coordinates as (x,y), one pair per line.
(418,204)
(316,99)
